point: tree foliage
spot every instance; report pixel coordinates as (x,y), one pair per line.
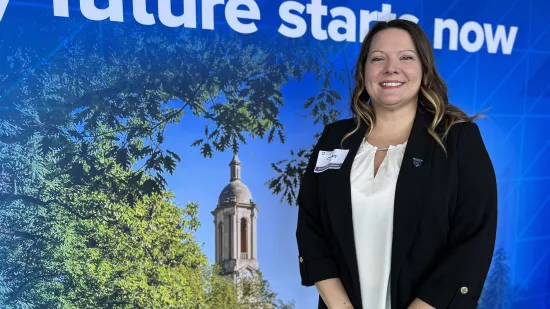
(85,217)
(496,292)
(254,292)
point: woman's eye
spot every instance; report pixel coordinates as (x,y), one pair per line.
(376,59)
(407,57)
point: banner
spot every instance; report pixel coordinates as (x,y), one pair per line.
(151,151)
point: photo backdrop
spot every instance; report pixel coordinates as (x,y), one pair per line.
(142,142)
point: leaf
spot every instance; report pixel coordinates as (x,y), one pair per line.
(281,136)
(66,158)
(335,95)
(169,164)
(197,142)
(111,138)
(77,172)
(174,155)
(45,145)
(75,134)
(135,178)
(309,102)
(160,138)
(206,150)
(122,158)
(271,135)
(149,186)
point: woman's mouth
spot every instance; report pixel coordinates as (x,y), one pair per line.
(391,85)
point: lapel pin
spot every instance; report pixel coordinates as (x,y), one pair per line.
(417,162)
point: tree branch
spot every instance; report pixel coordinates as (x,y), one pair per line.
(37,201)
(26,285)
(21,234)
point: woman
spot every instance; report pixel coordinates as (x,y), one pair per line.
(398,205)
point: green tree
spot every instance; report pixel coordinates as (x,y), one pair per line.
(254,292)
(124,256)
(122,90)
(323,108)
(85,219)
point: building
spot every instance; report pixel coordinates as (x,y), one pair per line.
(235,219)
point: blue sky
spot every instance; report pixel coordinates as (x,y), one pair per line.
(199,179)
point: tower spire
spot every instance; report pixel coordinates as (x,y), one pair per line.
(235,168)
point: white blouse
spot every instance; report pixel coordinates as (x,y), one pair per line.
(372,209)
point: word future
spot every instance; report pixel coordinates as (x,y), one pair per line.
(235,12)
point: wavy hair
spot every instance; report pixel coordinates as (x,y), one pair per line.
(433,89)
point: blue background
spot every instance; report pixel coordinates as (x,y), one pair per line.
(515,88)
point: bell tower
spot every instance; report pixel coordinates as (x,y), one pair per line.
(235,219)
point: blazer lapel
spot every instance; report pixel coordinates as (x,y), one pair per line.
(340,210)
(411,188)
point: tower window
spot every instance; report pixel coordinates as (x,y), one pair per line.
(244,236)
(220,241)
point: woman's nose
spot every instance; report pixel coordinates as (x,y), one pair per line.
(392,66)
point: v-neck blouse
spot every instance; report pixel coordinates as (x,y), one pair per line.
(372,211)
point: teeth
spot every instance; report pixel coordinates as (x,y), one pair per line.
(391,84)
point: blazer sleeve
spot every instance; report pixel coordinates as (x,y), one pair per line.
(458,279)
(316,262)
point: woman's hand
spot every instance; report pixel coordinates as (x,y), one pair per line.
(419,304)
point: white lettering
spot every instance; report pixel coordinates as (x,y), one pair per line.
(113,11)
(481,35)
(500,37)
(3,6)
(140,13)
(349,25)
(409,17)
(441,25)
(300,26)
(61,8)
(465,30)
(232,15)
(208,13)
(188,19)
(241,16)
(366,18)
(317,10)
(386,14)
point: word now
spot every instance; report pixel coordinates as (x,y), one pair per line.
(481,35)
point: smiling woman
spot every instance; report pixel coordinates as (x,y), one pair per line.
(407,219)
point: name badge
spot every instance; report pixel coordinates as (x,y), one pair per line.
(330,160)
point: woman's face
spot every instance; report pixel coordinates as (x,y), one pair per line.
(393,71)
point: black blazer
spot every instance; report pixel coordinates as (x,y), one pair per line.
(445,218)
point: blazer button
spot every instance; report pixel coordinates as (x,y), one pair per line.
(463,290)
(301,260)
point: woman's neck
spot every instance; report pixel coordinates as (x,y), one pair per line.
(393,126)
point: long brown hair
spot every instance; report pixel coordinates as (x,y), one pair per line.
(433,89)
